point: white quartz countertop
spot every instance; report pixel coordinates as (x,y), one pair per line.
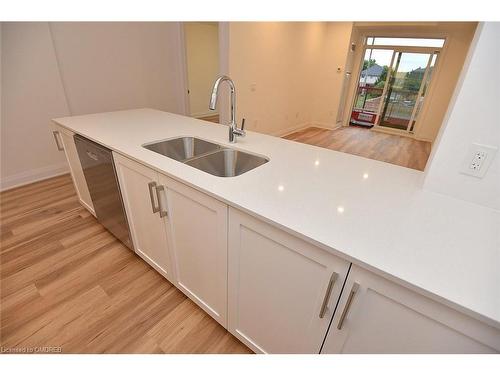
(371,213)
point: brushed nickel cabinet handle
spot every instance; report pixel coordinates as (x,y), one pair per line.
(154,207)
(331,283)
(354,289)
(59,147)
(160,189)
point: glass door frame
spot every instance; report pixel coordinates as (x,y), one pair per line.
(399,49)
(395,49)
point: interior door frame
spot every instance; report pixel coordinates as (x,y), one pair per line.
(183,83)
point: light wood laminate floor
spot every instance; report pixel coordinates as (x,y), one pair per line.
(66,282)
(394,149)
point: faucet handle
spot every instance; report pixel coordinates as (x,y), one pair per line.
(238,132)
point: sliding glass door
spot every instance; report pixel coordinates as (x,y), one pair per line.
(370,86)
(394,79)
(423,90)
(403,96)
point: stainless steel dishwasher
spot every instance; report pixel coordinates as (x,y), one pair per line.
(100,174)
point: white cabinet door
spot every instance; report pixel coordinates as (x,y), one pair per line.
(199,243)
(375,315)
(282,291)
(140,192)
(66,137)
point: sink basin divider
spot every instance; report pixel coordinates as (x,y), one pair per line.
(204,154)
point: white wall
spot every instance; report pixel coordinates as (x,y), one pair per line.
(471,118)
(112,66)
(202,53)
(32,94)
(278,68)
(334,53)
(458,40)
(270,63)
(58,69)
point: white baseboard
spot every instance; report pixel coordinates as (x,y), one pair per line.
(33,175)
(423,139)
(324,125)
(293,129)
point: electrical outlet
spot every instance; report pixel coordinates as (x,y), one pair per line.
(478,160)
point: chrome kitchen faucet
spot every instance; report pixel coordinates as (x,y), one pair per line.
(234,131)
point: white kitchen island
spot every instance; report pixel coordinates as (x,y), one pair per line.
(436,256)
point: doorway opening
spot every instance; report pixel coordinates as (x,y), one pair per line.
(393,82)
(202,63)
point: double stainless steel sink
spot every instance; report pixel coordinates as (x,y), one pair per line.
(208,157)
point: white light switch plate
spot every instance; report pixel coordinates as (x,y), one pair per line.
(478,160)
